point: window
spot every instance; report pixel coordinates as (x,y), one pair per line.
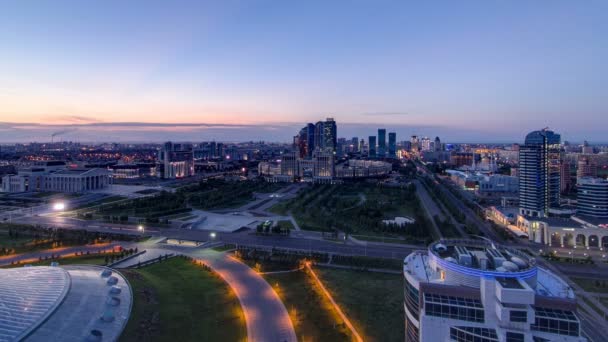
(473,334)
(464,309)
(515,337)
(411,332)
(411,299)
(555,321)
(518,316)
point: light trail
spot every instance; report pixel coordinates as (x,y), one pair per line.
(333,302)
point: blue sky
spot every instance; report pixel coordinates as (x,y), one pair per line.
(467,70)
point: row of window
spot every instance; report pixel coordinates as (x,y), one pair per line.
(518,316)
(454,312)
(411,295)
(451,300)
(411,332)
(555,326)
(473,334)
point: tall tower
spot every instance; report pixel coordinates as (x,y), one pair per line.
(392,145)
(372,147)
(330,135)
(381,143)
(539,173)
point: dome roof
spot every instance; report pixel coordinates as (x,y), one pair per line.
(28,296)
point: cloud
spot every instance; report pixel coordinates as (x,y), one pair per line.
(386,114)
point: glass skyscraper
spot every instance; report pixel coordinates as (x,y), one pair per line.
(372,146)
(539,173)
(392,145)
(381,143)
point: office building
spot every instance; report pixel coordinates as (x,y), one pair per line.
(425,144)
(304,142)
(587,149)
(176,160)
(565,183)
(473,290)
(323,166)
(592,197)
(415,144)
(586,168)
(371,147)
(438,147)
(325,135)
(381,151)
(539,173)
(392,145)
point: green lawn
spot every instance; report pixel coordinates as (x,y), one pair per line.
(178,301)
(313,318)
(372,301)
(357,209)
(92,259)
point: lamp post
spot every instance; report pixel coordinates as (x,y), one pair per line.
(141,229)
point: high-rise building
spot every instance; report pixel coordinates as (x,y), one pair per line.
(565,183)
(425,144)
(473,290)
(438,146)
(392,145)
(415,144)
(586,168)
(355,144)
(381,143)
(330,135)
(325,135)
(592,197)
(587,149)
(539,173)
(176,160)
(372,147)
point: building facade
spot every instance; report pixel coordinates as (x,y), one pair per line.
(176,160)
(381,152)
(372,147)
(592,197)
(392,145)
(472,290)
(63,180)
(539,173)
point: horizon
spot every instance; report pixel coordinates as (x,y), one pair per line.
(476,72)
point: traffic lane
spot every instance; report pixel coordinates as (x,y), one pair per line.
(61,251)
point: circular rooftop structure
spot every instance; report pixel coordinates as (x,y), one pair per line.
(27,297)
(481,258)
(51,303)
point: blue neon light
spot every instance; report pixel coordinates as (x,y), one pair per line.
(481,273)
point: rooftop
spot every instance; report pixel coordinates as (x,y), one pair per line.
(465,262)
(63,303)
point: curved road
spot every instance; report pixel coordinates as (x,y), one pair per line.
(266,317)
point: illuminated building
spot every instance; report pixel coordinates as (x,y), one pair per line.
(473,290)
(176,161)
(592,197)
(539,173)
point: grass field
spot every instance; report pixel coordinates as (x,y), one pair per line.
(358,209)
(178,301)
(313,318)
(372,301)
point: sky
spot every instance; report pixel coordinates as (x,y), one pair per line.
(487,71)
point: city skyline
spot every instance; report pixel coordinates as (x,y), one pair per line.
(487,71)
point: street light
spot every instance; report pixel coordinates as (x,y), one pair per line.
(141,228)
(59,206)
(212,235)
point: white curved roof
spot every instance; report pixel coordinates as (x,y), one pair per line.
(28,296)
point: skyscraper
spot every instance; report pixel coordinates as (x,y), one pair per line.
(438,146)
(539,173)
(325,135)
(304,142)
(586,168)
(392,145)
(381,143)
(330,135)
(372,146)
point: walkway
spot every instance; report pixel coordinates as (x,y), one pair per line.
(266,316)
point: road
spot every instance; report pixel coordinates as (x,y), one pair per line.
(430,207)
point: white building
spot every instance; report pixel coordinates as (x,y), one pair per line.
(176,161)
(55,179)
(565,232)
(472,290)
(592,197)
